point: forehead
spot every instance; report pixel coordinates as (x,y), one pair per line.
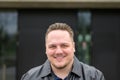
(58,35)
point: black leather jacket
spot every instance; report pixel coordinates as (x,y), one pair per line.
(80,71)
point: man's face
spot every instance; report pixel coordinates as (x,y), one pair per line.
(59,48)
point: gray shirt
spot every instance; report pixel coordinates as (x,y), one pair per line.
(80,71)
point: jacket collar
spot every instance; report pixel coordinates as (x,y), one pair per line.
(46,69)
(77,68)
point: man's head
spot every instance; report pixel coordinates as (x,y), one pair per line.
(60,45)
(60,26)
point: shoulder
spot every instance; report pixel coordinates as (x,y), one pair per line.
(92,72)
(89,69)
(32,72)
(37,72)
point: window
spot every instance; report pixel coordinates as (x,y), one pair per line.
(8,34)
(84,36)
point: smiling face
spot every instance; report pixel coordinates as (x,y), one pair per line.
(59,48)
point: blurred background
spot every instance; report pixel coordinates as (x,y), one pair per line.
(23,24)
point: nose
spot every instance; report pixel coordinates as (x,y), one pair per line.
(59,50)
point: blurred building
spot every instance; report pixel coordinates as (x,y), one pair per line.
(23,24)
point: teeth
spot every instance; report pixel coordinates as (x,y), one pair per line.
(59,58)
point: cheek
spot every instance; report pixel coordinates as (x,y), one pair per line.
(49,52)
(69,52)
(72,49)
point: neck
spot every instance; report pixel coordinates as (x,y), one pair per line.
(62,72)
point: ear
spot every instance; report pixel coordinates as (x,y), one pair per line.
(74,46)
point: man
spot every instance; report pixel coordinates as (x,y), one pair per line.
(62,63)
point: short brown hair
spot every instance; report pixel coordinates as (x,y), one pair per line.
(60,26)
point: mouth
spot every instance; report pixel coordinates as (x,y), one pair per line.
(59,58)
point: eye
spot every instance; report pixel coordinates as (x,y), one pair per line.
(52,47)
(64,45)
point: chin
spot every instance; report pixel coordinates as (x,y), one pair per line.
(60,66)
